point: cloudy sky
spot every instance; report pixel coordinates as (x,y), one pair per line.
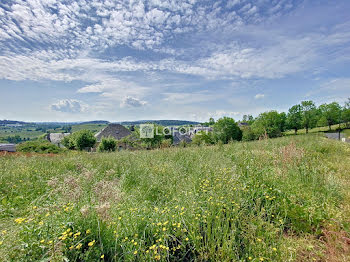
(169,59)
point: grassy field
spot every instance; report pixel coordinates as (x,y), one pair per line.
(23,132)
(30,132)
(284,199)
(92,127)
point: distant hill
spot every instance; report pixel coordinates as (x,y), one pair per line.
(11,122)
(160,122)
(95,122)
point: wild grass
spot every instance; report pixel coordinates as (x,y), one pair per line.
(272,200)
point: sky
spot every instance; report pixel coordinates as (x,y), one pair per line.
(168,59)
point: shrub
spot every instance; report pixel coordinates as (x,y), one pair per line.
(108,144)
(38,146)
(80,140)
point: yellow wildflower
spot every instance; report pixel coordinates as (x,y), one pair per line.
(91,243)
(103,256)
(79,246)
(135,252)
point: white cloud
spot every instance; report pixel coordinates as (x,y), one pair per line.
(259,96)
(132,102)
(69,106)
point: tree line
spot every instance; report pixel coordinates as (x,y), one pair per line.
(305,115)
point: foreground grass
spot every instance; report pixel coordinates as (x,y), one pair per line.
(277,200)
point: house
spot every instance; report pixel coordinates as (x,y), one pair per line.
(56,138)
(116,131)
(179,137)
(243,124)
(8,147)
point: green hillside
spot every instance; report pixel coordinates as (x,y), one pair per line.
(284,199)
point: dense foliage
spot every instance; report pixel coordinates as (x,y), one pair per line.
(80,140)
(108,144)
(38,146)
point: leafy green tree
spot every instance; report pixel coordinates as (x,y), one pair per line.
(309,115)
(80,140)
(248,119)
(68,142)
(211,121)
(322,121)
(345,116)
(269,123)
(331,112)
(108,144)
(226,129)
(203,138)
(294,118)
(248,134)
(84,139)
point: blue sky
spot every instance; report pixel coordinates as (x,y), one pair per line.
(169,59)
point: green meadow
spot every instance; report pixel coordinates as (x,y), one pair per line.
(284,199)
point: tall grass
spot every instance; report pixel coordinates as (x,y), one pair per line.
(254,201)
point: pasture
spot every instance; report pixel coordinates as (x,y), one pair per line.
(284,199)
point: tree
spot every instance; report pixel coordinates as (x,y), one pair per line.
(322,121)
(108,144)
(79,140)
(294,118)
(331,112)
(84,139)
(269,123)
(309,115)
(345,116)
(203,138)
(248,119)
(226,129)
(211,121)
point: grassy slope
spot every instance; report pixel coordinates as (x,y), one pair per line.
(316,129)
(257,201)
(92,127)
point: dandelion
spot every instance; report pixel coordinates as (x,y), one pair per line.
(91,243)
(88,231)
(274,249)
(102,256)
(186,238)
(42,241)
(135,252)
(19,220)
(250,258)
